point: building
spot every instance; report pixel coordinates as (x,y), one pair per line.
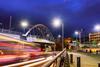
(85,39)
(94,36)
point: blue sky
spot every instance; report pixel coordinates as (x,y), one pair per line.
(76,14)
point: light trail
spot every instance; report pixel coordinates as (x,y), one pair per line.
(30,63)
(3,37)
(23,63)
(39,63)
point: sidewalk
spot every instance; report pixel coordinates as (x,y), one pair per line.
(86,61)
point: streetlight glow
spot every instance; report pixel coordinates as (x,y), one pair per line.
(97,27)
(24,23)
(76,33)
(59,36)
(57,22)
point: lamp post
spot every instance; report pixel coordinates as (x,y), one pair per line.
(57,22)
(78,33)
(10,22)
(24,24)
(1,26)
(97,29)
(59,36)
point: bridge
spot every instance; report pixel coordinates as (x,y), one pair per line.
(17,48)
(58,60)
(38,33)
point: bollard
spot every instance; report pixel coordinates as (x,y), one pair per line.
(86,51)
(97,52)
(90,51)
(98,64)
(78,62)
(71,58)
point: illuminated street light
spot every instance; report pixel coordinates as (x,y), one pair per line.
(59,36)
(97,27)
(76,33)
(24,23)
(57,22)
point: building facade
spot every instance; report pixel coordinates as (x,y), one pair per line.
(95,36)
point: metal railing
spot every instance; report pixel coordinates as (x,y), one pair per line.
(60,60)
(22,64)
(9,31)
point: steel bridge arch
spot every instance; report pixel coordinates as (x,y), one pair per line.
(44,31)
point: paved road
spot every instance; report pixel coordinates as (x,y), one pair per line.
(86,61)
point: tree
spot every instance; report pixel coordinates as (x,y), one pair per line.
(94,42)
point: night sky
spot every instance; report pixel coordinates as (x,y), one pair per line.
(76,14)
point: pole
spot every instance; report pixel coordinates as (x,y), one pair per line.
(24,30)
(71,58)
(78,62)
(98,37)
(98,64)
(80,37)
(24,39)
(1,26)
(62,36)
(76,38)
(10,22)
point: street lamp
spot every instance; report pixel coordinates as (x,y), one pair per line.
(97,27)
(76,33)
(24,24)
(59,36)
(57,22)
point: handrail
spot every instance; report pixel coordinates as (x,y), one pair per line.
(9,31)
(50,62)
(24,63)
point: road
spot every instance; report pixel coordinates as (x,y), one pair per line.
(86,61)
(31,63)
(21,59)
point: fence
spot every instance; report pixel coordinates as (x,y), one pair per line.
(9,31)
(60,60)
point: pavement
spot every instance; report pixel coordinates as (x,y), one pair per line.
(86,61)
